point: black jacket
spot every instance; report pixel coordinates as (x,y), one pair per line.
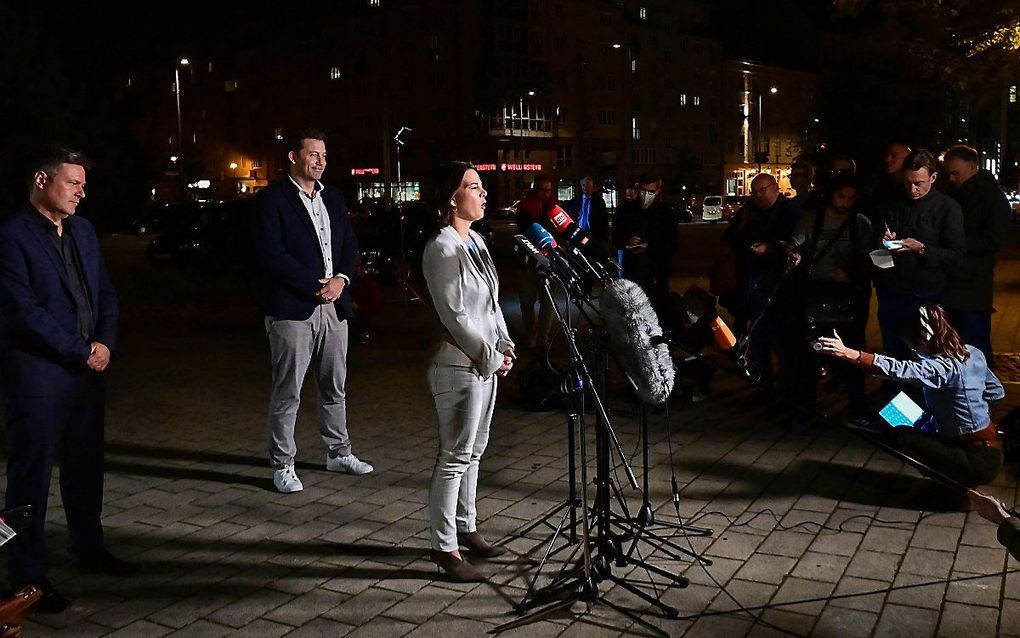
(289,254)
(598,217)
(986,214)
(934,220)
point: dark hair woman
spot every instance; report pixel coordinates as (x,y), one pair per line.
(474,349)
(958,388)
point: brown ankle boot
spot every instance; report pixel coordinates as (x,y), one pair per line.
(479,546)
(458,569)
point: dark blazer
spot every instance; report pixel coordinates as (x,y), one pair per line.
(598,217)
(38,323)
(289,254)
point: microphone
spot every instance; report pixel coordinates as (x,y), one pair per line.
(547,244)
(569,231)
(542,264)
(636,338)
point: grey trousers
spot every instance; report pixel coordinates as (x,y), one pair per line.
(464,403)
(321,343)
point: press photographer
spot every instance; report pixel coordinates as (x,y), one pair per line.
(829,252)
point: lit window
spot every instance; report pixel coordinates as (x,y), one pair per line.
(374,3)
(697,101)
(633,65)
(334,73)
(642,13)
(230,85)
(278,133)
(635,129)
(683,99)
(1012,94)
(129,82)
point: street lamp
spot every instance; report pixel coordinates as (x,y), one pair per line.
(761,112)
(400,143)
(180,129)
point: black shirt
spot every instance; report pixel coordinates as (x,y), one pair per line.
(74,276)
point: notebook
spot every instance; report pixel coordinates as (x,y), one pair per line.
(901,411)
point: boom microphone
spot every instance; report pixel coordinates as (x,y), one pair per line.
(546,243)
(636,338)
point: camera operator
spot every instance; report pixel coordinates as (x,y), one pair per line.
(960,440)
(829,249)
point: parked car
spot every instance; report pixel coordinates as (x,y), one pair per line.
(219,240)
(682,212)
(711,208)
(162,218)
(731,204)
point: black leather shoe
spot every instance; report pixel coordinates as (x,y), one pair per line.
(106,563)
(52,602)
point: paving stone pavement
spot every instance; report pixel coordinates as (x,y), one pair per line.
(812,534)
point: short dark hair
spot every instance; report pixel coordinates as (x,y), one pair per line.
(649,177)
(805,165)
(51,159)
(963,153)
(296,141)
(446,179)
(844,179)
(539,178)
(919,159)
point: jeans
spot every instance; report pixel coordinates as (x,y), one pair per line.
(464,404)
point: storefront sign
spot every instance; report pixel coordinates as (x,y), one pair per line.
(364,171)
(485,167)
(520,167)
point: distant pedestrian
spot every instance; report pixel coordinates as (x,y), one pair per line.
(58,327)
(986,213)
(474,350)
(802,179)
(307,249)
(535,208)
(646,230)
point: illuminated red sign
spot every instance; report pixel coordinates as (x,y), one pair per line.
(485,167)
(364,171)
(520,167)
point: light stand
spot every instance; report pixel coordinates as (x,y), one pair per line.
(409,293)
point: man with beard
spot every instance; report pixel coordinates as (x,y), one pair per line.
(830,249)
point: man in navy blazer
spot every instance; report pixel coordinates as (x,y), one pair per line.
(58,325)
(307,250)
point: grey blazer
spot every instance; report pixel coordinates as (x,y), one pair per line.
(466,297)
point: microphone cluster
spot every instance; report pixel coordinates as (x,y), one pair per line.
(564,261)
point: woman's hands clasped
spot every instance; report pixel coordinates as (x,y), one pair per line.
(508,362)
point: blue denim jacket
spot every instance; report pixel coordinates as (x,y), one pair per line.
(957,392)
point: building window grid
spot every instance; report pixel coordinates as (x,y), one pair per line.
(564,155)
(334,73)
(607,117)
(523,116)
(635,129)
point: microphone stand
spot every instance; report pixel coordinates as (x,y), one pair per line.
(582,583)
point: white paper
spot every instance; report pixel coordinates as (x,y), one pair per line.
(882,258)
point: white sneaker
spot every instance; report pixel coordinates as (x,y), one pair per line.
(286,480)
(349,464)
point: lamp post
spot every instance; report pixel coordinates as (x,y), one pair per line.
(180,128)
(400,143)
(761,112)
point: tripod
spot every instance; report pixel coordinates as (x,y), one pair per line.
(582,582)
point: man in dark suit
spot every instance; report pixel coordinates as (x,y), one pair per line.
(307,250)
(589,211)
(58,325)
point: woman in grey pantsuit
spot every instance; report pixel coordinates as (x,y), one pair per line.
(474,349)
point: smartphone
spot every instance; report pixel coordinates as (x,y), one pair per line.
(17,518)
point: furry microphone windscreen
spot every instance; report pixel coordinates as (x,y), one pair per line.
(636,338)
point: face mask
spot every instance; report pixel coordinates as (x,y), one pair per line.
(647,197)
